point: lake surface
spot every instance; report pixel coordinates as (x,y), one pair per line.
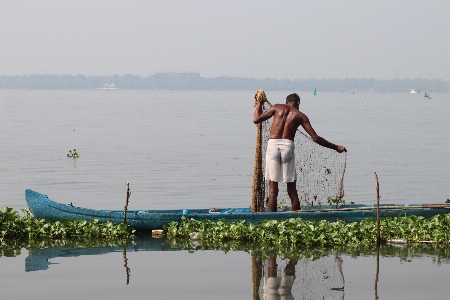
(196,149)
(165,273)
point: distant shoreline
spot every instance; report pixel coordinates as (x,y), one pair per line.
(193,81)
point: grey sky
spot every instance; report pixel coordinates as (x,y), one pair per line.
(278,39)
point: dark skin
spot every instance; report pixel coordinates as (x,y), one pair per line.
(272,267)
(286,119)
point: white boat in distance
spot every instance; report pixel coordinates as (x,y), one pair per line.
(414,91)
(108,87)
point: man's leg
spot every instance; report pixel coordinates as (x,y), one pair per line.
(272,267)
(292,192)
(273,194)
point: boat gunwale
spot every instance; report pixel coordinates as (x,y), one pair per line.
(88,212)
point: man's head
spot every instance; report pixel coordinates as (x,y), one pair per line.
(294,99)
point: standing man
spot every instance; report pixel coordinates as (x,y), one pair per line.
(280,155)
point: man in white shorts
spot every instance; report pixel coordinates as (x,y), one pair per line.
(279,287)
(280,157)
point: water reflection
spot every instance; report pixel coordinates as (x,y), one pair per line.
(125,264)
(39,259)
(377,271)
(275,273)
(300,278)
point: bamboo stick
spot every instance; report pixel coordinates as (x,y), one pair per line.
(378,208)
(374,207)
(125,209)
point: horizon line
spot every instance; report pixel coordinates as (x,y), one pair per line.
(222,76)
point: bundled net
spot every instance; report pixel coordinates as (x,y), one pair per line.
(320,171)
(300,278)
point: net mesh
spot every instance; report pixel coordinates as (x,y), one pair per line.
(301,278)
(320,170)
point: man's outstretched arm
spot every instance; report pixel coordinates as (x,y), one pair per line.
(320,140)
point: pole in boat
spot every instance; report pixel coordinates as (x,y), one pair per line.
(258,186)
(378,236)
(125,209)
(378,208)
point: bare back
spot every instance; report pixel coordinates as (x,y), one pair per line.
(286,120)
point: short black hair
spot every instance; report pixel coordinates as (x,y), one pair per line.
(293,98)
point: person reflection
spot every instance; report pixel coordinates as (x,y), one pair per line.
(279,287)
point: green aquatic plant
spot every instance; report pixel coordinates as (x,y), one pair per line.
(298,232)
(439,252)
(73,154)
(27,227)
(337,201)
(13,247)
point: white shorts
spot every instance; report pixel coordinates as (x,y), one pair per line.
(280,161)
(278,288)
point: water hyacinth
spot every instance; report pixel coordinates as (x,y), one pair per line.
(439,252)
(299,232)
(15,226)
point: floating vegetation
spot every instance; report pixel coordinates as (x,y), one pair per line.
(335,201)
(13,247)
(73,154)
(27,229)
(439,252)
(298,232)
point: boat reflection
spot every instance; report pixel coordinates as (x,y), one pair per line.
(39,259)
(273,277)
(276,273)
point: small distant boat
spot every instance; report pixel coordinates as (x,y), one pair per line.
(353,91)
(108,87)
(314,93)
(42,207)
(426,95)
(414,91)
(342,91)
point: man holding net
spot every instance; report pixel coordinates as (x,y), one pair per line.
(280,156)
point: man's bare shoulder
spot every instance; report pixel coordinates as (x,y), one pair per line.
(280,107)
(299,114)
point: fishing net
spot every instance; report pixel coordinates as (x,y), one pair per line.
(320,170)
(302,278)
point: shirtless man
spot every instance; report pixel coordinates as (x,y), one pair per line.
(280,156)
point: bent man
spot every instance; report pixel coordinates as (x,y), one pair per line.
(280,156)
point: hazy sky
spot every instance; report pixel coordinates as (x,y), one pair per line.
(277,39)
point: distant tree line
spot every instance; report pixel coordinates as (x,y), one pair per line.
(166,81)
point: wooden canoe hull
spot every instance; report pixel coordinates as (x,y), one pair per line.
(42,207)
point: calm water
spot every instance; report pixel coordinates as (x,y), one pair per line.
(196,149)
(99,274)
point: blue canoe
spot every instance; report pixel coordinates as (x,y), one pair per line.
(42,207)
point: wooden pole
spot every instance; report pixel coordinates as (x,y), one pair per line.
(125,209)
(377,185)
(378,208)
(258,186)
(257,172)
